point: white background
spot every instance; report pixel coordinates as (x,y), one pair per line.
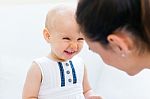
(21,41)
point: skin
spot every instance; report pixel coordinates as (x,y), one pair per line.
(121,53)
(66,41)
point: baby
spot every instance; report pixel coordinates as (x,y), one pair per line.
(60,74)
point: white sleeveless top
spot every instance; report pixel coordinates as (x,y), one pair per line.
(61,80)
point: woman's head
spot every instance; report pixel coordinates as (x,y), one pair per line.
(117,26)
(100,18)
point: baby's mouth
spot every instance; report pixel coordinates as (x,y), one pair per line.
(69,52)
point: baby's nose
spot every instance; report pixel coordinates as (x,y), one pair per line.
(74,46)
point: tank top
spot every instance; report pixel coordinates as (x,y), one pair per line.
(61,80)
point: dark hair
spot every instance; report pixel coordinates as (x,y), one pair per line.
(100,18)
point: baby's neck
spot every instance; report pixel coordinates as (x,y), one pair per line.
(54,58)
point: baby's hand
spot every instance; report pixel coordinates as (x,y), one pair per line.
(93,97)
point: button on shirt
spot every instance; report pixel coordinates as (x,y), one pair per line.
(68,73)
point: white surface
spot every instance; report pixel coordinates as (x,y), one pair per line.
(21,41)
(14,2)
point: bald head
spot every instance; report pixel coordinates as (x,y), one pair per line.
(58,15)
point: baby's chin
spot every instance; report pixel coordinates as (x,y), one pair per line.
(68,58)
(62,59)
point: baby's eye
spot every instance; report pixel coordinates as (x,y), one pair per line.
(80,39)
(66,38)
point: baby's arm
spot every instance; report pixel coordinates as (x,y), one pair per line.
(32,83)
(87,90)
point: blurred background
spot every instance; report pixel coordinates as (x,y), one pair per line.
(34,1)
(21,40)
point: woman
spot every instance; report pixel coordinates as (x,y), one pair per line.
(118,30)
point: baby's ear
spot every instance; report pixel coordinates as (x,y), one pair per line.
(46,35)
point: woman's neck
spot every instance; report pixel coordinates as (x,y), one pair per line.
(143,61)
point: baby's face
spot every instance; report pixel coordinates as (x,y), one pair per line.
(66,40)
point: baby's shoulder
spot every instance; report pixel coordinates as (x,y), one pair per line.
(42,60)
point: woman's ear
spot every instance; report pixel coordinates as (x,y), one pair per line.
(120,43)
(46,35)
